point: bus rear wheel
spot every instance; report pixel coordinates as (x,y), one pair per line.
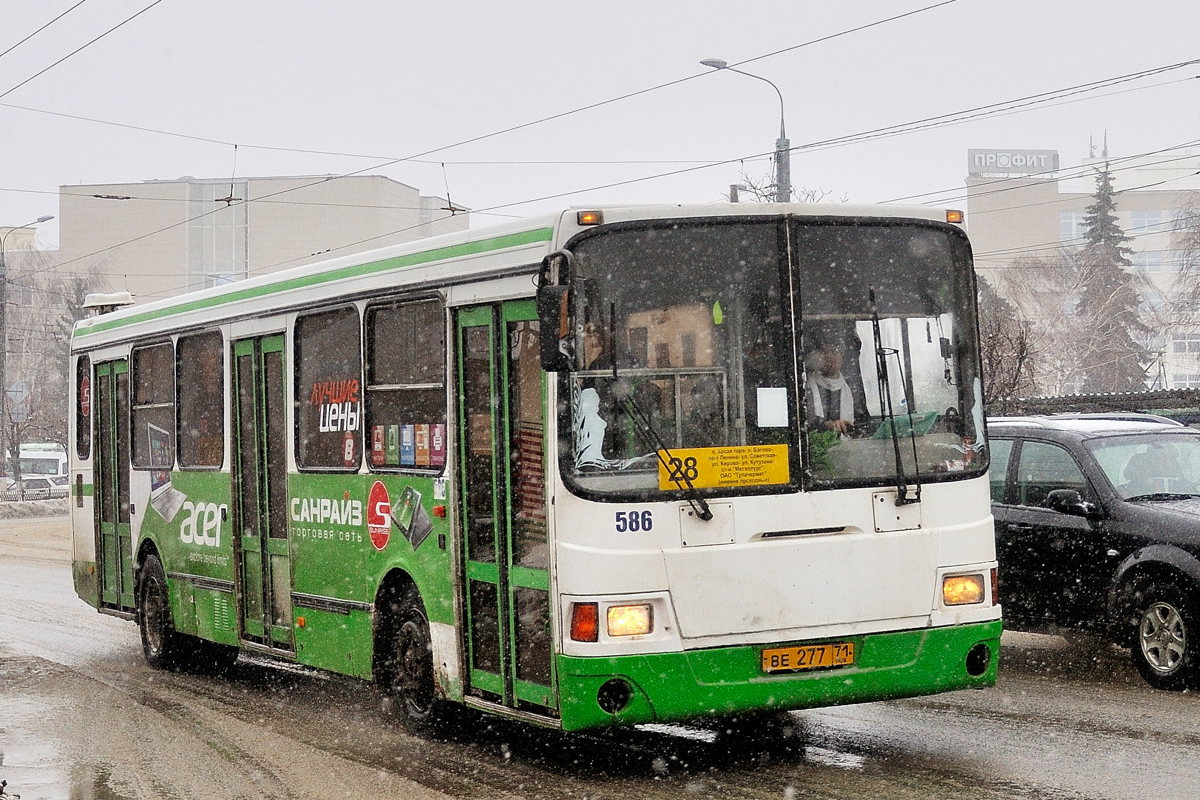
(409,678)
(161,645)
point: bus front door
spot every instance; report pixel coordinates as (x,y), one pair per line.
(114,547)
(260,494)
(501,438)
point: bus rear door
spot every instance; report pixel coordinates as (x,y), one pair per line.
(114,558)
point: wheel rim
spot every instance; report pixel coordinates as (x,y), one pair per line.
(152,611)
(414,674)
(1162,638)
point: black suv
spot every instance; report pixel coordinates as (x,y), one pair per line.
(1098,530)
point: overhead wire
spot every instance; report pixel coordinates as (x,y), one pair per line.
(39,30)
(542,120)
(390,160)
(79,49)
(953,118)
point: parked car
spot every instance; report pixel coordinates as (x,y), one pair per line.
(36,488)
(1098,531)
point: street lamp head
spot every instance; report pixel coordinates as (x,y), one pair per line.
(40,220)
(783,160)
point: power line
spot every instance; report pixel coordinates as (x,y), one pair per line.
(542,120)
(39,30)
(80,48)
(954,118)
(390,160)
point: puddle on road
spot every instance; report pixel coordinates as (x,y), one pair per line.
(32,761)
(29,763)
(36,770)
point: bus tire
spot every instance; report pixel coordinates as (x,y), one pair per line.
(409,676)
(161,645)
(1165,637)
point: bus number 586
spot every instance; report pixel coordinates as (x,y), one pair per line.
(633,521)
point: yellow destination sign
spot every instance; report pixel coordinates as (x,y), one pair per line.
(717,467)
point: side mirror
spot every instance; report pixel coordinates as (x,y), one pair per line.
(1069,501)
(555,308)
(559,345)
(558,269)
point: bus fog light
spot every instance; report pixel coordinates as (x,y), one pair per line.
(962,590)
(630,620)
(978,660)
(614,696)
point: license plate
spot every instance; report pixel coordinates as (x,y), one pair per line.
(809,656)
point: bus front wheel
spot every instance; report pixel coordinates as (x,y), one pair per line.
(161,645)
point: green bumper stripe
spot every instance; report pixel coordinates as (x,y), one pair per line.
(673,687)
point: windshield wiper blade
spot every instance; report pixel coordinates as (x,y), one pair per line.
(646,428)
(1163,496)
(903,495)
(650,434)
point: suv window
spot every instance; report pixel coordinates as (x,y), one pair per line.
(1043,468)
(1001,450)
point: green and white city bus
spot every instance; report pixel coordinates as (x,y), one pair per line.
(565,470)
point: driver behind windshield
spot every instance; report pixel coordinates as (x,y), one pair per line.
(833,405)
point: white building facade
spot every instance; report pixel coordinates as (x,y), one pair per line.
(156,239)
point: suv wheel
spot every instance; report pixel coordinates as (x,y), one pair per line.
(1165,638)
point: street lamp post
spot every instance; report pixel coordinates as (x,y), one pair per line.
(4,416)
(783,148)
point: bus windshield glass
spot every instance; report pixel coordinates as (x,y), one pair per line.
(765,353)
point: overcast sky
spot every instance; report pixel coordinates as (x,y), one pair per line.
(598,93)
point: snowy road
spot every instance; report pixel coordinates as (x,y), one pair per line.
(82,716)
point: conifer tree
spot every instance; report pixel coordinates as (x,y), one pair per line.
(1108,300)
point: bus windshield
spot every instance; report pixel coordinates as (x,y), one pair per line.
(763,354)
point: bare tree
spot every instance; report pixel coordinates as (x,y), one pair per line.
(1176,306)
(1005,339)
(44,306)
(762,190)
(1044,292)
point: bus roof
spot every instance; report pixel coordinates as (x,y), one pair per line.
(476,254)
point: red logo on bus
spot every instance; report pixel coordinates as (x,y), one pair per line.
(379,515)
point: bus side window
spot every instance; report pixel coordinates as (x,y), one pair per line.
(201,400)
(152,415)
(328,396)
(406,386)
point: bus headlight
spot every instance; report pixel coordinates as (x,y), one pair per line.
(630,620)
(962,590)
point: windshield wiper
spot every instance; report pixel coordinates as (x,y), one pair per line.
(1163,496)
(651,437)
(903,495)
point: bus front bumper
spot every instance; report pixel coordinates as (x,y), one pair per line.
(676,687)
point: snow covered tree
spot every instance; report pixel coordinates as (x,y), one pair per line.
(44,306)
(1108,299)
(1005,339)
